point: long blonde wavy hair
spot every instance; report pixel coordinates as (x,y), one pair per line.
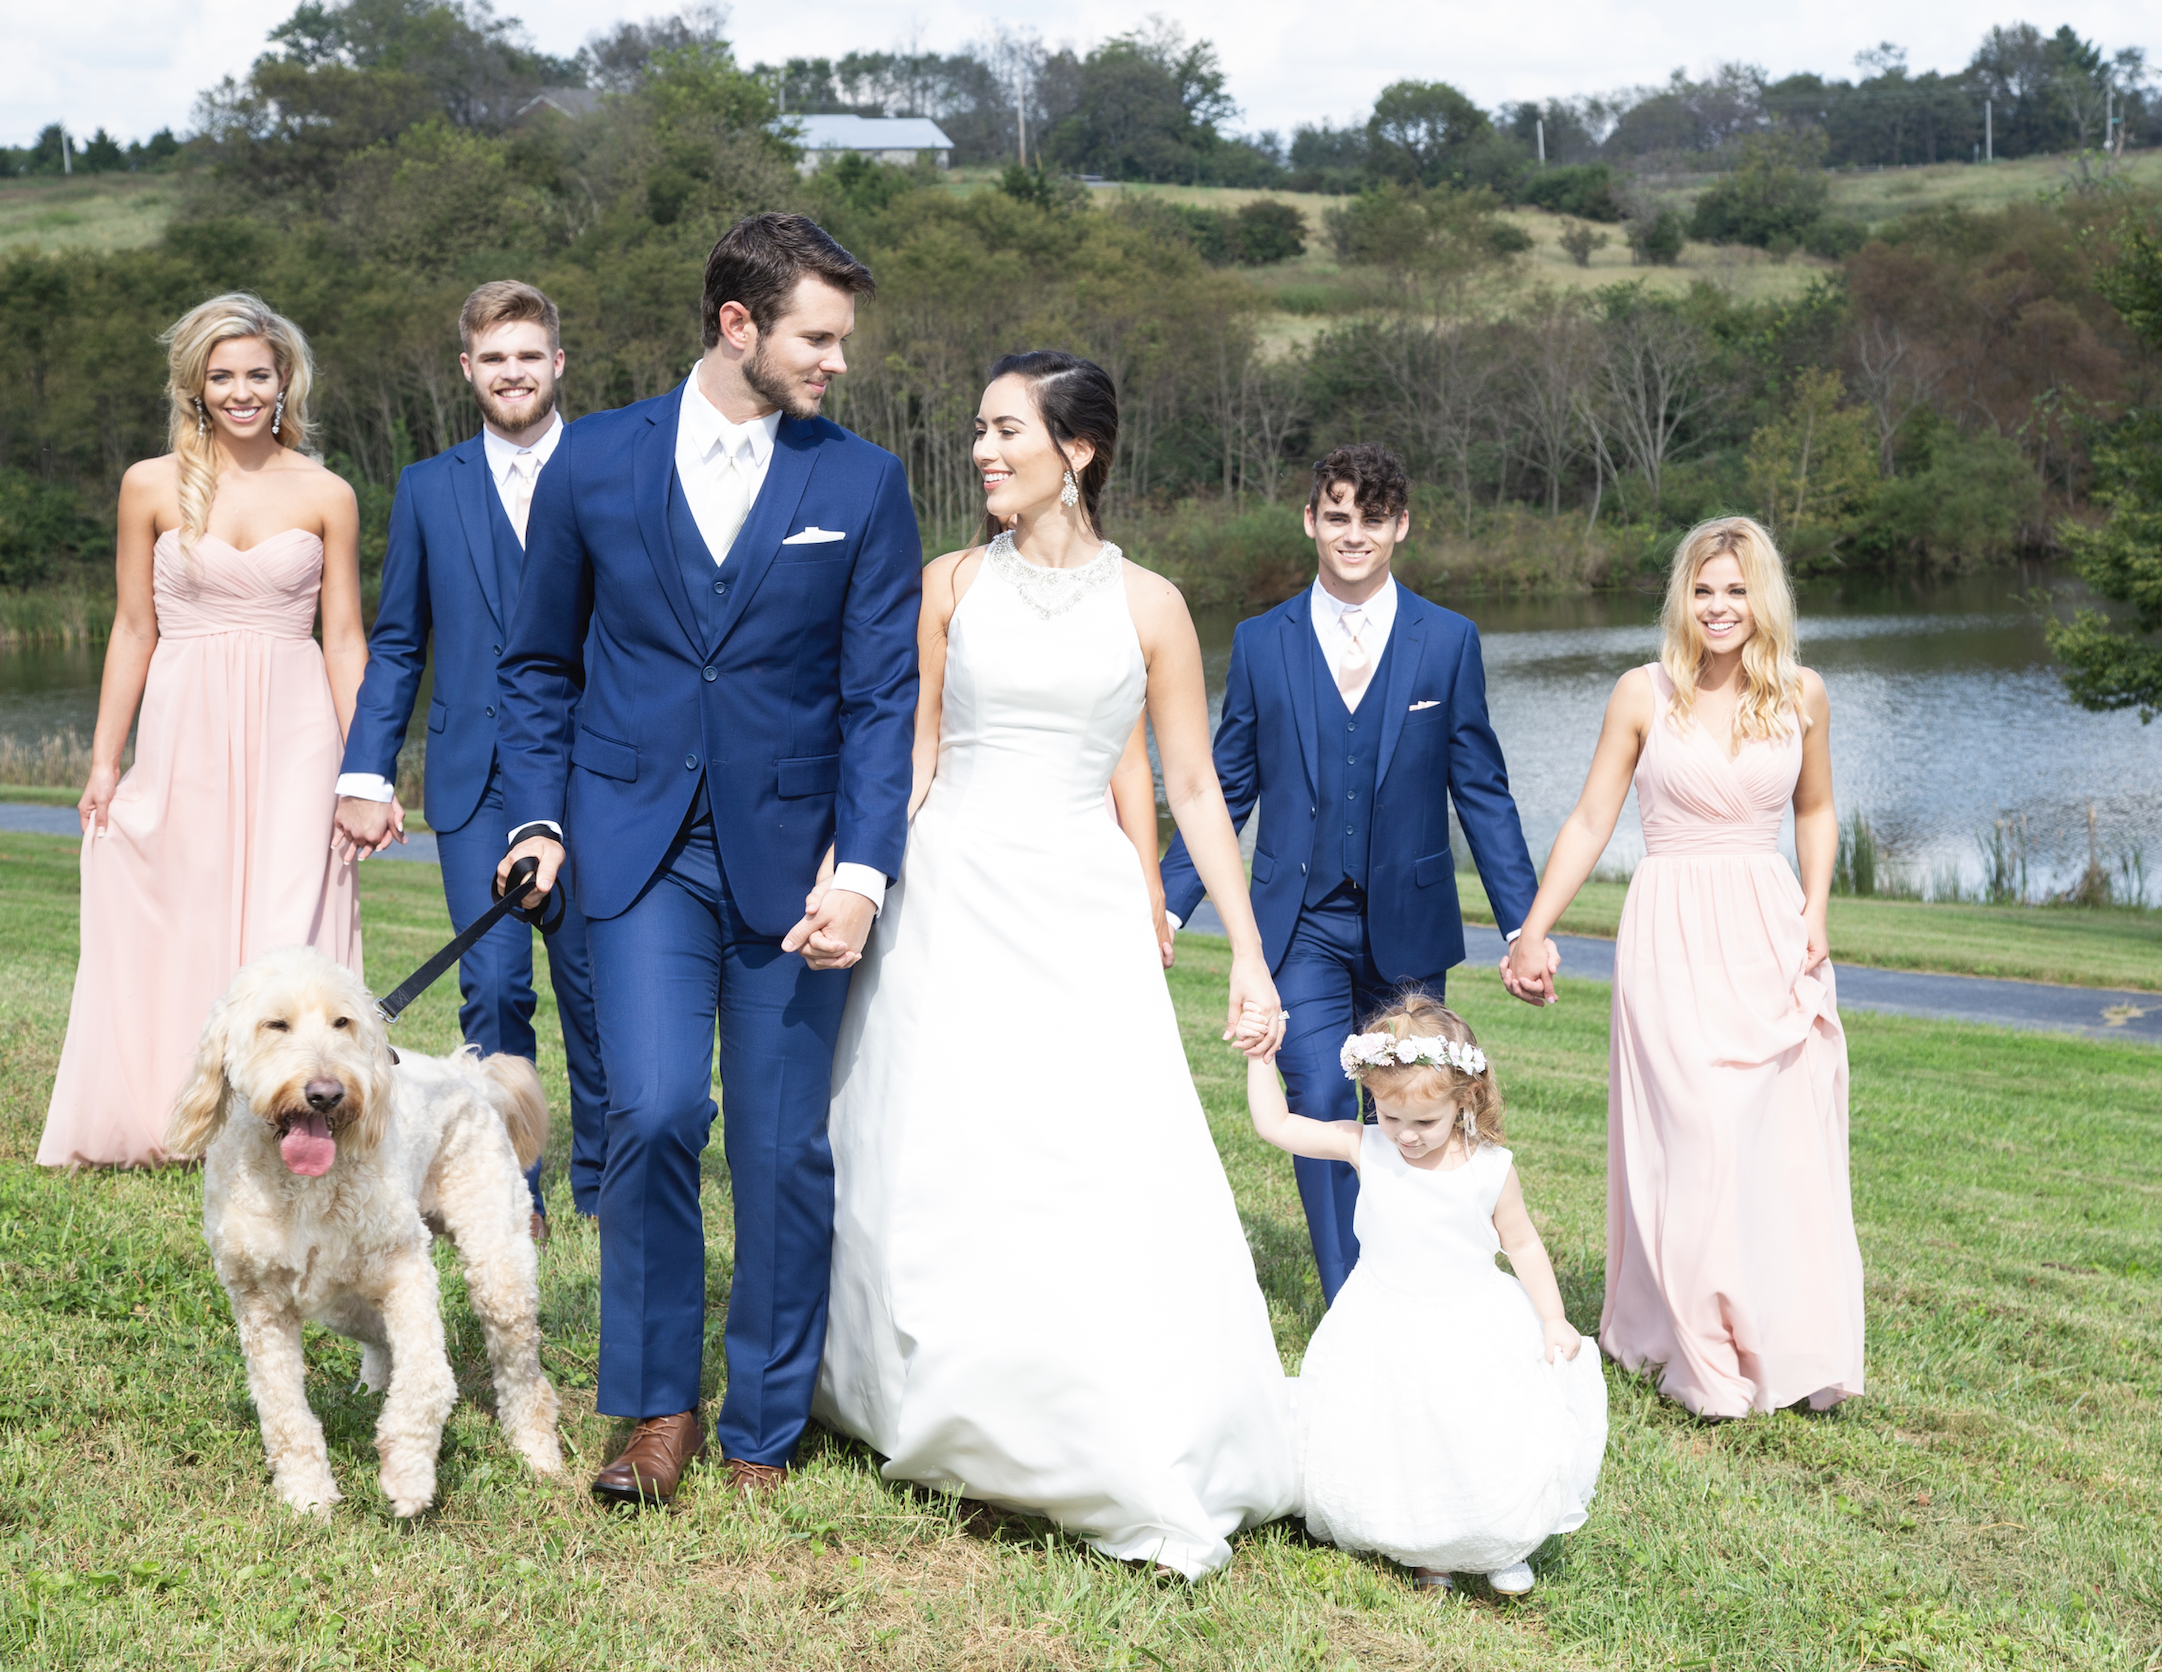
(1771,697)
(188,346)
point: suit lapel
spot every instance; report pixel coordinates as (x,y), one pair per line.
(471,486)
(788,473)
(1299,653)
(653,468)
(1408,640)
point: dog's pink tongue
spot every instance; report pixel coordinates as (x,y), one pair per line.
(308,1147)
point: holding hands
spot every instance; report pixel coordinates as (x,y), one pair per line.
(836,923)
(362,828)
(1529,967)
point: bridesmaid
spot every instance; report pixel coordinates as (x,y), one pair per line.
(1731,1258)
(216,845)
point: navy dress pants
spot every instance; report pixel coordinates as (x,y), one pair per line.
(666,971)
(1329,983)
(495,987)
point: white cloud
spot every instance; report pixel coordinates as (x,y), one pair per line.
(137,65)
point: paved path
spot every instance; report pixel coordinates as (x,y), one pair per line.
(1961,998)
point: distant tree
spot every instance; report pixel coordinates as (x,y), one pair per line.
(1777,193)
(1656,237)
(1581,242)
(1422,132)
(51,151)
(159,149)
(1270,230)
(1590,191)
(1148,107)
(1569,137)
(1815,464)
(2107,666)
(103,155)
(617,59)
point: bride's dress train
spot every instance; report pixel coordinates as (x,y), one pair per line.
(1042,1296)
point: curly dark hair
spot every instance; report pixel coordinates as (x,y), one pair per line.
(1380,487)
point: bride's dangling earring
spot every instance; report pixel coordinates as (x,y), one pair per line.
(277,416)
(202,418)
(1070,494)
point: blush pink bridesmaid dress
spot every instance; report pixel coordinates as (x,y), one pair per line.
(1731,1258)
(218,844)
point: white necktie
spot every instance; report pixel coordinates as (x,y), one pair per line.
(733,497)
(1355,667)
(520,498)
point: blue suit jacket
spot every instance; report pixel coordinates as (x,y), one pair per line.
(1266,751)
(439,579)
(797,709)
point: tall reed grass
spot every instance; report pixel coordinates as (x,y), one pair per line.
(64,614)
(58,760)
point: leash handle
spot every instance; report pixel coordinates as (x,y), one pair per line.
(508,893)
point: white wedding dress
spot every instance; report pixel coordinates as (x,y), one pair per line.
(1042,1296)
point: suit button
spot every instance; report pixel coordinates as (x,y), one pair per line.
(1354,726)
(1353,796)
(1313,810)
(491,711)
(1351,760)
(1302,870)
(498,649)
(710,675)
(690,763)
(719,587)
(1348,831)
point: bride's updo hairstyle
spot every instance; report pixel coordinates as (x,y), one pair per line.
(1078,403)
(188,347)
(1414,1013)
(1771,698)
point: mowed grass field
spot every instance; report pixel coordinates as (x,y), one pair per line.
(1992,1501)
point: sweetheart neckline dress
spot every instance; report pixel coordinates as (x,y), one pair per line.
(1042,1294)
(1732,1264)
(217,846)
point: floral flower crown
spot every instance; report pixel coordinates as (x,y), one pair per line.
(1364,1051)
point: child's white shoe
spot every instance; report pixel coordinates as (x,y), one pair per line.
(1426,1579)
(1512,1581)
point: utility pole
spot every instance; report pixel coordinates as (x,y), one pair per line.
(1539,123)
(1989,130)
(67,154)
(1020,108)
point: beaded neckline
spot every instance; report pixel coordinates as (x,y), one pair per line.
(1052,592)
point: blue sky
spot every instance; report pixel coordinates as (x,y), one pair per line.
(136,65)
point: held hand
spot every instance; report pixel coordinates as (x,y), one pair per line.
(1165,948)
(832,937)
(362,827)
(97,799)
(1562,1339)
(1528,970)
(1250,985)
(1820,941)
(548,851)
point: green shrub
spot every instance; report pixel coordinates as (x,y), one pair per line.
(44,530)
(1585,190)
(1834,239)
(1656,240)
(1974,504)
(1270,230)
(1776,192)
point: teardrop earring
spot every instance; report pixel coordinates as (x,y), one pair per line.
(1471,1130)
(277,416)
(202,418)
(1070,494)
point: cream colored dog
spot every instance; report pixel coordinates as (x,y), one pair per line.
(327,1162)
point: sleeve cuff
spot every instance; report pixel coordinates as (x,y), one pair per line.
(866,880)
(535,827)
(1177,923)
(366,786)
(1510,937)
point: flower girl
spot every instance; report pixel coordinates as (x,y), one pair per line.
(1448,1416)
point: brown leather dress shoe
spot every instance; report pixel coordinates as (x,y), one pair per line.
(651,1465)
(755,1479)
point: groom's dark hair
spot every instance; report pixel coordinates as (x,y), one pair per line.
(1379,485)
(761,259)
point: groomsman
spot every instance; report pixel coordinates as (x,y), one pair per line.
(453,573)
(1365,705)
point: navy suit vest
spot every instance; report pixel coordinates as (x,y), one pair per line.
(701,579)
(509,554)
(1345,778)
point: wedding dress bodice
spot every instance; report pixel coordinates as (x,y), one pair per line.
(1044,680)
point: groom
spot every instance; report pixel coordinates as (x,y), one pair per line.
(1366,705)
(711,680)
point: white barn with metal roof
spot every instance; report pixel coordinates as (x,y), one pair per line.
(883,139)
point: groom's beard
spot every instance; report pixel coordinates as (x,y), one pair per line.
(772,384)
(503,418)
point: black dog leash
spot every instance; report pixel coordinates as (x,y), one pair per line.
(506,905)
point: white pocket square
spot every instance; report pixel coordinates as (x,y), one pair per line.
(814,536)
(1415,707)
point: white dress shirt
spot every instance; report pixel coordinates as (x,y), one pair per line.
(501,457)
(1373,636)
(721,465)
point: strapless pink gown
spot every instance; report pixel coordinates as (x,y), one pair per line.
(218,844)
(1731,1257)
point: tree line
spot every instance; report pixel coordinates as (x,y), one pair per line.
(1946,395)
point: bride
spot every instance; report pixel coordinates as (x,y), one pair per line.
(1041,1293)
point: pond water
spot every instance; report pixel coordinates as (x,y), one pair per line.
(1946,717)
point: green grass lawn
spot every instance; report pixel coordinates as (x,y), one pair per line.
(2071,946)
(87,212)
(1991,1502)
